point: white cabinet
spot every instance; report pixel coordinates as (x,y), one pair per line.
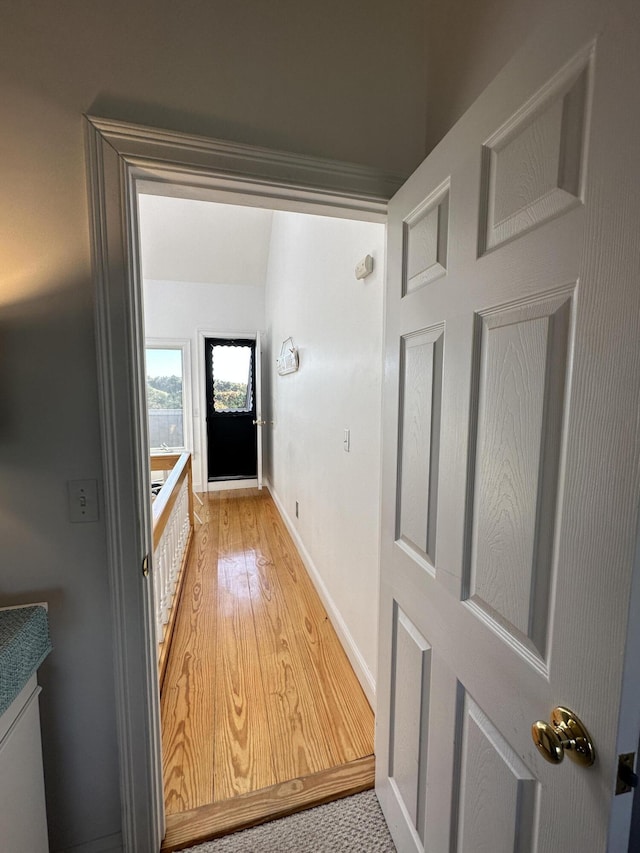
(24,644)
(23,822)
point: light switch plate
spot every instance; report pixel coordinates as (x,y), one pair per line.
(83,500)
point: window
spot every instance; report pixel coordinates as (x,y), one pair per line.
(165,397)
(232,385)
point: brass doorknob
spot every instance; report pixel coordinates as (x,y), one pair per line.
(567,734)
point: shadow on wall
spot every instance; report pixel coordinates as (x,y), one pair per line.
(482,36)
(48,375)
(49,434)
(162,117)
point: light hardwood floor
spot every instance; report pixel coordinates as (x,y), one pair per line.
(261,712)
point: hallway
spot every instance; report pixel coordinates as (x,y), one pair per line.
(259,705)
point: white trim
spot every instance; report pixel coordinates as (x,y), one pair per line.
(188,166)
(622,822)
(122,158)
(126,493)
(44,604)
(229,485)
(183,344)
(357,661)
(106,844)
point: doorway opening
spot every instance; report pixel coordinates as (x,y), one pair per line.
(125,162)
(288,271)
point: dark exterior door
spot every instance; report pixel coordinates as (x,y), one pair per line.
(230,370)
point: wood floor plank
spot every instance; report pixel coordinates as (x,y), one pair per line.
(305,739)
(241,720)
(341,695)
(258,690)
(280,800)
(188,696)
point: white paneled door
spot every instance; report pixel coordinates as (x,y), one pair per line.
(510,482)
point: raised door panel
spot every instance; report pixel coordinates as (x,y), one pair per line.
(533,165)
(426,236)
(421,389)
(520,384)
(496,792)
(410,693)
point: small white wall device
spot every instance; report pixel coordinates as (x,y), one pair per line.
(364,267)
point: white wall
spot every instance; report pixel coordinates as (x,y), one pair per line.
(179,310)
(336,322)
(204,268)
(198,241)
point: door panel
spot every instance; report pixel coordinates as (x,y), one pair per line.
(411,685)
(532,167)
(421,389)
(510,463)
(426,235)
(518,393)
(497,793)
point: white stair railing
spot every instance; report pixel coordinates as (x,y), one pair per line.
(172,531)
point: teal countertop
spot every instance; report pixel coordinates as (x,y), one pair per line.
(24,644)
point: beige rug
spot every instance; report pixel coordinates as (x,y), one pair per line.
(351,825)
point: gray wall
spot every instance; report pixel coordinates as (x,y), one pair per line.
(469,41)
(338,79)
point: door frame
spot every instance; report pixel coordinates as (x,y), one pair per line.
(122,160)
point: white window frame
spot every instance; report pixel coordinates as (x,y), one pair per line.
(184,345)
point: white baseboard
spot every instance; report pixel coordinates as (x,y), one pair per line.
(106,844)
(356,659)
(224,485)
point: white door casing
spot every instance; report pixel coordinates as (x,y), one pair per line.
(122,160)
(510,453)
